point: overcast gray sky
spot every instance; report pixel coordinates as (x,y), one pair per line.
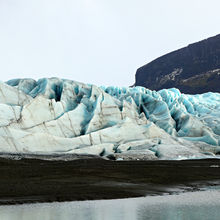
(97,41)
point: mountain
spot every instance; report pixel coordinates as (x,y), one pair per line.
(194,69)
(57,116)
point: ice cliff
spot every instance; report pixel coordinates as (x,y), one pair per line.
(67,117)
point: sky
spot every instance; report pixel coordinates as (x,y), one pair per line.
(100,42)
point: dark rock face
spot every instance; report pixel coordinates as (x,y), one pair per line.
(193,69)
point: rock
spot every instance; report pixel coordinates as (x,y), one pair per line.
(194,69)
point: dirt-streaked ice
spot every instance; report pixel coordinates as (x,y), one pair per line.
(63,116)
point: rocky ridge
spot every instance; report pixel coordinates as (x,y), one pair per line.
(194,69)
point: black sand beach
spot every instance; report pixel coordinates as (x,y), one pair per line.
(35,180)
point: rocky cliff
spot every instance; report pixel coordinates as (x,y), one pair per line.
(192,69)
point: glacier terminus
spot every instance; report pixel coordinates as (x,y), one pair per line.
(59,116)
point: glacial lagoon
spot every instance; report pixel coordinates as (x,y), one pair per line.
(191,205)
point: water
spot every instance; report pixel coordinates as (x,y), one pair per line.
(187,206)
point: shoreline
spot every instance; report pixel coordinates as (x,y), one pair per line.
(35,180)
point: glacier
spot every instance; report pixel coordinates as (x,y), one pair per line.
(60,116)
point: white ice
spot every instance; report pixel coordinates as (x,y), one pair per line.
(63,116)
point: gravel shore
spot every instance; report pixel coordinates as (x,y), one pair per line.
(35,180)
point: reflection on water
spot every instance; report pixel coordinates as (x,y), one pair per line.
(193,206)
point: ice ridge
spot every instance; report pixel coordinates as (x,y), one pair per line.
(53,115)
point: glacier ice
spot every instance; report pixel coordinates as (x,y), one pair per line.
(62,116)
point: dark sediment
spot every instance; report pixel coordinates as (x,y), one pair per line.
(34,180)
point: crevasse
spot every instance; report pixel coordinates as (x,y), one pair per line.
(55,115)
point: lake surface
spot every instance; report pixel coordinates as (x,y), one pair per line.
(192,205)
